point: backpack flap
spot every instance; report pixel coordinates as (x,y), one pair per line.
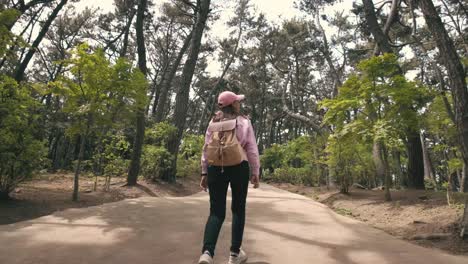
(223,148)
(222,126)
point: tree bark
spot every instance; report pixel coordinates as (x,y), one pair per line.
(388,177)
(328,57)
(399,173)
(455,71)
(380,37)
(464,179)
(464,224)
(415,166)
(76,182)
(123,51)
(390,20)
(134,169)
(167,81)
(378,163)
(24,64)
(182,98)
(428,173)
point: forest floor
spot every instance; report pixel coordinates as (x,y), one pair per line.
(412,214)
(45,194)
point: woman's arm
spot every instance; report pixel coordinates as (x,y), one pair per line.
(251,150)
(204,162)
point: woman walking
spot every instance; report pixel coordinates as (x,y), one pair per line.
(228,160)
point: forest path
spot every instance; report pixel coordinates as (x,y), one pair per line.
(282,228)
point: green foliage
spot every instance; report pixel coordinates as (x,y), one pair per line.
(7,17)
(299,176)
(455,164)
(349,159)
(439,125)
(296,162)
(156,157)
(272,157)
(99,93)
(189,156)
(378,104)
(154,160)
(375,105)
(112,158)
(160,134)
(20,151)
(437,120)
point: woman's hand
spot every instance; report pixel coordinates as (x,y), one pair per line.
(255,180)
(204,183)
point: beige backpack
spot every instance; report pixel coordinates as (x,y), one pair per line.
(223,148)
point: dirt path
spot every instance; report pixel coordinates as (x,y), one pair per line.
(282,228)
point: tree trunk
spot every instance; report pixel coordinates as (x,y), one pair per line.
(373,26)
(464,223)
(428,173)
(378,162)
(123,51)
(182,98)
(455,71)
(464,179)
(78,167)
(166,84)
(416,168)
(134,169)
(24,64)
(337,76)
(399,173)
(380,36)
(386,167)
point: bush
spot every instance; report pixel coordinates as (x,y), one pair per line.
(272,157)
(112,159)
(188,160)
(154,160)
(299,176)
(297,162)
(20,152)
(159,134)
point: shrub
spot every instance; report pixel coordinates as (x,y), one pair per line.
(20,152)
(300,176)
(159,134)
(154,160)
(188,160)
(272,157)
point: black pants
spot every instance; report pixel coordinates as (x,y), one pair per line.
(218,182)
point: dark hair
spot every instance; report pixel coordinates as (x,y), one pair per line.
(227,111)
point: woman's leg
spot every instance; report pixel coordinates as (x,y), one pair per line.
(217,187)
(239,177)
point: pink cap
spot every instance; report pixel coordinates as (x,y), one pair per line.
(227,98)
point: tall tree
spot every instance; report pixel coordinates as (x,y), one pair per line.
(414,148)
(182,98)
(19,75)
(457,77)
(140,116)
